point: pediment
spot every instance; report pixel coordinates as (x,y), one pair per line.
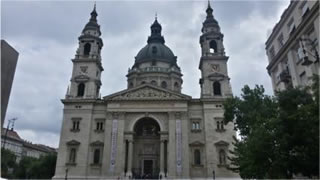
(221,143)
(96,143)
(73,142)
(197,143)
(147,92)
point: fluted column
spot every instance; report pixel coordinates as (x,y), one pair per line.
(130,148)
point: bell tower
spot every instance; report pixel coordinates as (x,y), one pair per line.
(214,80)
(87,67)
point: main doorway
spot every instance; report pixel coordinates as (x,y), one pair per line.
(146,149)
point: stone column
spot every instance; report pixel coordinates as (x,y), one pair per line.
(130,144)
(163,139)
(162,159)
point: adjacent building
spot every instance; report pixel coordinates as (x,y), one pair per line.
(293,46)
(150,129)
(9,58)
(11,140)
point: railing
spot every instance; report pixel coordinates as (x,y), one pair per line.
(151,69)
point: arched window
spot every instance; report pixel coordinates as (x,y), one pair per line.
(154,82)
(176,86)
(81,88)
(213,46)
(216,88)
(218,125)
(96,156)
(72,157)
(197,157)
(164,84)
(87,48)
(222,157)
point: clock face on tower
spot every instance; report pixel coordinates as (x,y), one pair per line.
(215,67)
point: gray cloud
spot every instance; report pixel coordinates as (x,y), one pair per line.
(45,34)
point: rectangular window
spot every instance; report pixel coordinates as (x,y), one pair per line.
(291,26)
(99,125)
(304,8)
(75,124)
(281,40)
(272,52)
(72,155)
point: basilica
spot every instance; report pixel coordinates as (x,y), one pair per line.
(150,129)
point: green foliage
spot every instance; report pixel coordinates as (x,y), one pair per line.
(42,168)
(8,161)
(279,135)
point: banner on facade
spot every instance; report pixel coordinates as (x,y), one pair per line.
(114,135)
(179,146)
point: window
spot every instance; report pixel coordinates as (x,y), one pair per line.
(75,124)
(213,46)
(222,157)
(99,126)
(154,82)
(164,84)
(281,40)
(176,86)
(291,26)
(197,157)
(195,126)
(81,88)
(272,53)
(143,82)
(131,85)
(96,156)
(72,155)
(216,88)
(304,8)
(220,125)
(87,48)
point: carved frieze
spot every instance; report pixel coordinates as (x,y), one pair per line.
(146,93)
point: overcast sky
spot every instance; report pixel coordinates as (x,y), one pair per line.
(46,36)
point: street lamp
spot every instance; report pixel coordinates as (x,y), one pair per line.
(306,61)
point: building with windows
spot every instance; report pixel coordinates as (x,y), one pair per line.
(11,140)
(293,46)
(150,129)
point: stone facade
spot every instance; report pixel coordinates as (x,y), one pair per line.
(293,46)
(149,129)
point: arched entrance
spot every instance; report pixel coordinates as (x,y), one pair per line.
(146,149)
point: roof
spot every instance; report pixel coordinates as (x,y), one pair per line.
(11,134)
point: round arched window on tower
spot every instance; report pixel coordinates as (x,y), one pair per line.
(164,84)
(213,47)
(154,82)
(176,86)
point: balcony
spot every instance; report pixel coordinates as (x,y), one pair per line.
(285,76)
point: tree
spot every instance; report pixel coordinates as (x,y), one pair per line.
(279,135)
(42,168)
(8,161)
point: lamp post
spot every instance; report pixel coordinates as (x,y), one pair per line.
(306,61)
(66,177)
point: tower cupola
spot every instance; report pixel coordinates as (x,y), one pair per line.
(156,36)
